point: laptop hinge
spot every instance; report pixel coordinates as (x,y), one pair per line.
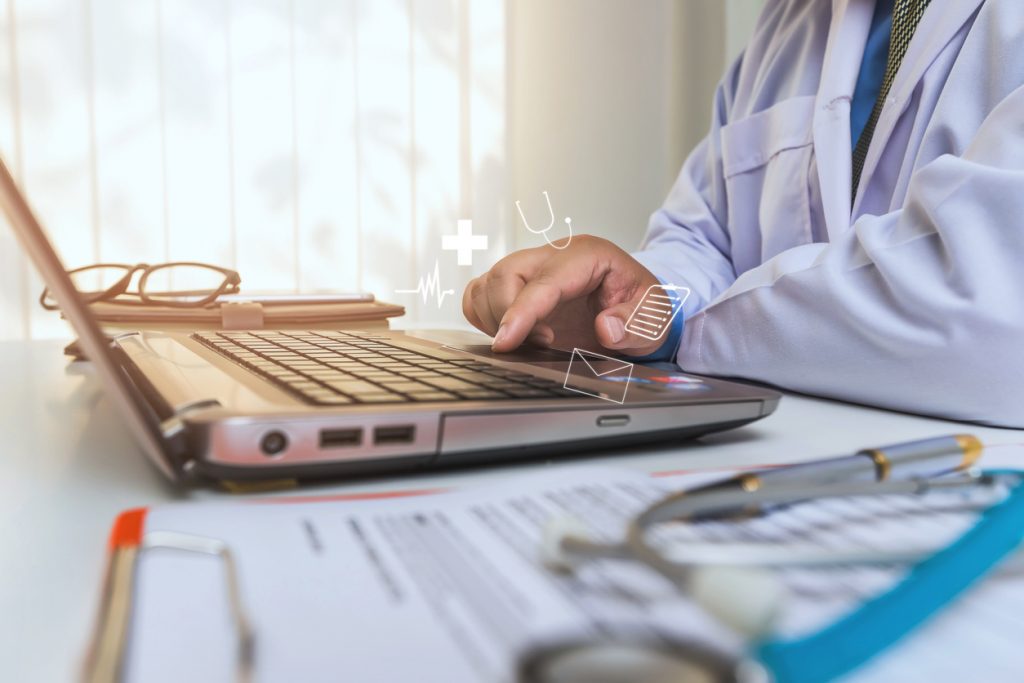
(174,426)
(169,420)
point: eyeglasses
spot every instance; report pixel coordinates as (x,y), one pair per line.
(200,283)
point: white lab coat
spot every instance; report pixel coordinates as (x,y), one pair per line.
(915,299)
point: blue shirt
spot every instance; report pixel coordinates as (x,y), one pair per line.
(869,83)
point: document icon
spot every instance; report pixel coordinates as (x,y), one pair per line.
(656,311)
(586,368)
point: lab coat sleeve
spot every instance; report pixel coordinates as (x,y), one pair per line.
(686,242)
(921,309)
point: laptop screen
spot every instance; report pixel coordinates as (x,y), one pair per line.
(93,341)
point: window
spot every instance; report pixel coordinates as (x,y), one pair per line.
(311,144)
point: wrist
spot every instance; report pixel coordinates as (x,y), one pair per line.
(669,346)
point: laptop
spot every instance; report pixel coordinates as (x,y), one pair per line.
(264,405)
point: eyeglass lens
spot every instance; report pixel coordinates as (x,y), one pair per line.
(177,281)
(99,279)
(172,284)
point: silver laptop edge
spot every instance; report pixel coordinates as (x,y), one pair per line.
(91,338)
(199,415)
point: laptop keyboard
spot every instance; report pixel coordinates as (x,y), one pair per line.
(341,368)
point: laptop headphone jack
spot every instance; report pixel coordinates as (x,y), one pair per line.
(273,443)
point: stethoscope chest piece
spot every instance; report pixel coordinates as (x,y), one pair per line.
(647,658)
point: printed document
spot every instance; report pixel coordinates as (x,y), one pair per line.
(450,587)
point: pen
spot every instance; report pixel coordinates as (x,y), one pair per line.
(907,460)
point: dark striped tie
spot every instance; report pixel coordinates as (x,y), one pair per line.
(906,15)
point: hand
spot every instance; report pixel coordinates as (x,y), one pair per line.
(578,297)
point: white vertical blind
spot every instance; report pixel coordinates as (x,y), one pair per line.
(312,144)
(329,144)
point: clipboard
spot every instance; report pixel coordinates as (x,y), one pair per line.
(128,541)
(126,545)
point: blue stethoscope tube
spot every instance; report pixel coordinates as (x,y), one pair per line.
(926,590)
(848,643)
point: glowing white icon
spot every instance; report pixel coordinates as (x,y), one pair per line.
(551,223)
(614,374)
(656,311)
(429,286)
(464,242)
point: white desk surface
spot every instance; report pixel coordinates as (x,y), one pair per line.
(67,467)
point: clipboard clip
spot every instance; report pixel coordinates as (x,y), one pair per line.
(109,646)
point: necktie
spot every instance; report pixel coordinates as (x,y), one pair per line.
(906,15)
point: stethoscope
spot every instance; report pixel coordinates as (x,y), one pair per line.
(551,223)
(734,584)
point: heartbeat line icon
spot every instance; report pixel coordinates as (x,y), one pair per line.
(429,286)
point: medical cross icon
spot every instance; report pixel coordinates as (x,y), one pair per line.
(465,242)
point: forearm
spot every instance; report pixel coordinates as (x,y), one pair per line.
(917,310)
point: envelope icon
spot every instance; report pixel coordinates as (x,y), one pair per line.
(598,375)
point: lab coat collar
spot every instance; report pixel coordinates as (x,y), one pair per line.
(851,21)
(940,23)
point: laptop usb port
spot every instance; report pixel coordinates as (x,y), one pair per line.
(340,438)
(390,435)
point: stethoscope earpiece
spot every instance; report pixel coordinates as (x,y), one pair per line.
(551,223)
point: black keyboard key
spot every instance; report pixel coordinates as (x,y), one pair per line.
(425,352)
(339,368)
(500,384)
(424,375)
(406,387)
(354,387)
(390,378)
(334,400)
(330,376)
(476,365)
(433,396)
(529,392)
(482,394)
(449,383)
(373,375)
(509,374)
(379,398)
(469,375)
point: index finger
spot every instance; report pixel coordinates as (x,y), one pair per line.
(562,278)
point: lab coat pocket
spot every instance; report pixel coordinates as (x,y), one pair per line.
(766,160)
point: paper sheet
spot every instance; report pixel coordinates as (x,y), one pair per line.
(449,587)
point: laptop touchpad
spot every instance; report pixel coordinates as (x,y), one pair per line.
(521,355)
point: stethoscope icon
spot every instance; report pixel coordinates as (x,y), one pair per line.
(551,223)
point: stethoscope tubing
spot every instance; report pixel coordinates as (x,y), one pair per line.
(551,224)
(680,506)
(848,642)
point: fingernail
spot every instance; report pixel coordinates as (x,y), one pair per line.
(499,337)
(616,330)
